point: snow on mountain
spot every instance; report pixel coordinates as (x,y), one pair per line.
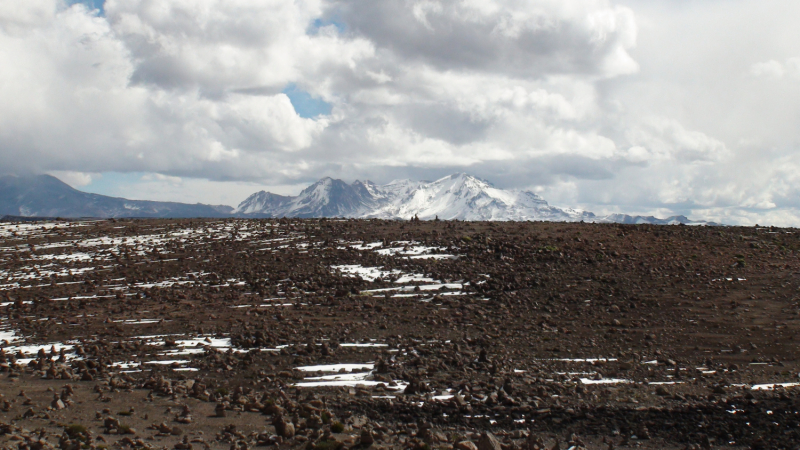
(458,196)
(637,220)
(393,190)
(325,198)
(464,197)
(263,203)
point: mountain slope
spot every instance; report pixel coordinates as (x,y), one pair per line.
(458,196)
(325,198)
(464,197)
(635,220)
(265,203)
(47,196)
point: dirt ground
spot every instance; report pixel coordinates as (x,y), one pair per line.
(334,334)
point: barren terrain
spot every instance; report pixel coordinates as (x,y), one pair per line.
(355,333)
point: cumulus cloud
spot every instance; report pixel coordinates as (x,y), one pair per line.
(626,105)
(658,139)
(776,70)
(533,38)
(75,179)
(193,88)
(80,95)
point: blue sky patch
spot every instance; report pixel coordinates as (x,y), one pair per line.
(306,105)
(319,23)
(111,183)
(91,4)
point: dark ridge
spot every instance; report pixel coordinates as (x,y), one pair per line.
(46,196)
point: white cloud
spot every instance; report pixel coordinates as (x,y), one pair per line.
(768,69)
(658,139)
(75,179)
(78,95)
(522,38)
(160,187)
(624,105)
(776,70)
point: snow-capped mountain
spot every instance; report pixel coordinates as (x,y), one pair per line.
(325,198)
(464,197)
(458,196)
(636,220)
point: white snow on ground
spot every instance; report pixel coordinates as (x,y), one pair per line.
(12,337)
(422,287)
(762,387)
(415,251)
(402,249)
(52,349)
(66,257)
(362,246)
(589,360)
(341,377)
(366,344)
(138,321)
(336,367)
(605,381)
(8,335)
(126,365)
(366,273)
(344,379)
(372,273)
(350,383)
(39,228)
(413,278)
(433,257)
(169,362)
(76,253)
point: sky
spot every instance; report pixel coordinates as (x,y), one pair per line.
(656,107)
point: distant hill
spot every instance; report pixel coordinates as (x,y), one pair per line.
(47,196)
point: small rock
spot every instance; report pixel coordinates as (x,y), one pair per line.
(465,445)
(488,442)
(367,438)
(219,411)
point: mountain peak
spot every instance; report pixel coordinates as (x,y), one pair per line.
(456,196)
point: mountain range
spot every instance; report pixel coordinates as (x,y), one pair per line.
(458,196)
(47,196)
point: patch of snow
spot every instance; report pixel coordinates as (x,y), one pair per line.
(368,344)
(763,387)
(336,367)
(169,362)
(605,381)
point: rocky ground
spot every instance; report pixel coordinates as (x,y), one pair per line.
(329,334)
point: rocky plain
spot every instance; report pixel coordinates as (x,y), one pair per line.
(334,334)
